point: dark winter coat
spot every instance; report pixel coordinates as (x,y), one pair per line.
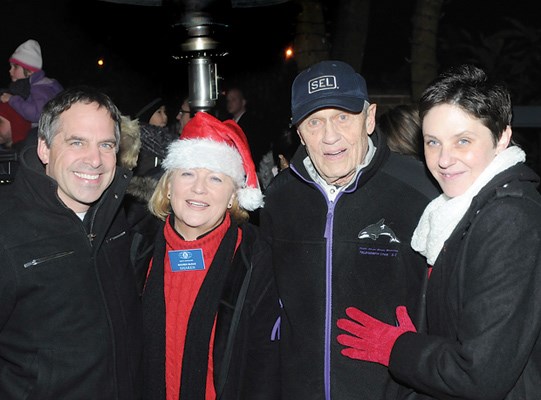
(70,316)
(484,301)
(245,351)
(154,143)
(257,133)
(328,256)
(143,225)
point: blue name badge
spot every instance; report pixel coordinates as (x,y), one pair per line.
(186,260)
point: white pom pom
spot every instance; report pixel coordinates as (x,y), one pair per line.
(250,199)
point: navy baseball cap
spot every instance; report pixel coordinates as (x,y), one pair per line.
(327,84)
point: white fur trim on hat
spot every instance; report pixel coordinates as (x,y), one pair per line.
(214,156)
(28,56)
(205,153)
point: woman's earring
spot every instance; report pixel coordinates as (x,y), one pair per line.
(230,205)
(168,195)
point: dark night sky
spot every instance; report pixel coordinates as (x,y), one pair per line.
(138,42)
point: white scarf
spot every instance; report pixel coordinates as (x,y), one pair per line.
(443,213)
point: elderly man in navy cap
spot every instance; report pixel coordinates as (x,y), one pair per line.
(340,222)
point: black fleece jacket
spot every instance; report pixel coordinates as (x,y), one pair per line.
(70,315)
(328,256)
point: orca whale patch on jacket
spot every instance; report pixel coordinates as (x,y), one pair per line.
(374,231)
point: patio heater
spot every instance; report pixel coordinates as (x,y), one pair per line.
(201,50)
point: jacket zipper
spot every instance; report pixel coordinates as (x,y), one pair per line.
(41,260)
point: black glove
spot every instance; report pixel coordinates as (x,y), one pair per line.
(20,87)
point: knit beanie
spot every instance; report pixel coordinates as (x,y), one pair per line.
(19,126)
(145,113)
(207,142)
(28,56)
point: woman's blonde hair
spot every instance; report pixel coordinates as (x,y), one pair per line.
(160,206)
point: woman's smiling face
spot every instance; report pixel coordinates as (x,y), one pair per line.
(458,147)
(199,199)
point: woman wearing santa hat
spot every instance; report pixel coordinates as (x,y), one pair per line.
(210,305)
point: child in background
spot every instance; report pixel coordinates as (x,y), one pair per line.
(25,64)
(155,137)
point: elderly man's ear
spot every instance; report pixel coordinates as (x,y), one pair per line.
(371,118)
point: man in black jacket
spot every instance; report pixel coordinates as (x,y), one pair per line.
(70,314)
(340,221)
(252,125)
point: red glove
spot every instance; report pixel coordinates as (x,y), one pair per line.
(370,339)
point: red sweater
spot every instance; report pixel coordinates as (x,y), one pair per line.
(181,289)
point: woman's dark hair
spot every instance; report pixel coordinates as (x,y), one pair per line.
(401,127)
(469,88)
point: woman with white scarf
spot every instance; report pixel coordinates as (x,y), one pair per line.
(482,241)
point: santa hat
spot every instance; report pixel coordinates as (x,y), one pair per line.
(28,56)
(19,126)
(207,142)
